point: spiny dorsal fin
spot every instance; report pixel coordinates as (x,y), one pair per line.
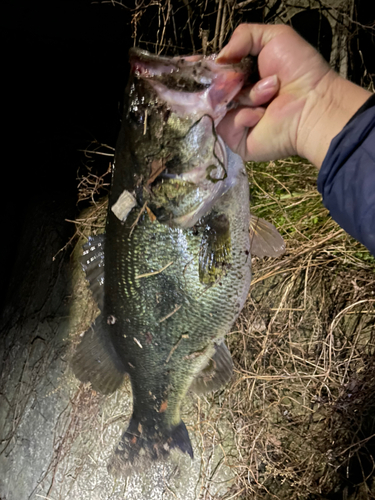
(92,262)
(265,240)
(217,373)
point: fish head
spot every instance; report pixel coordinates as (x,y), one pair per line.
(177,162)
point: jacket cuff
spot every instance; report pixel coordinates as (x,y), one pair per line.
(347,177)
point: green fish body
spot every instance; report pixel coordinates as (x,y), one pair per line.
(173,270)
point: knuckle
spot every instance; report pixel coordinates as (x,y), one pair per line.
(286,28)
(243,27)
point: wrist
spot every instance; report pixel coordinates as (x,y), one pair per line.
(328,108)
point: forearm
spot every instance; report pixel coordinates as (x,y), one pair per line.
(328,109)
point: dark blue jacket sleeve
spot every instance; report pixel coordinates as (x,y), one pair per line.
(347,177)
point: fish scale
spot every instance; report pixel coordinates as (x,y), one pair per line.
(206,313)
(182,249)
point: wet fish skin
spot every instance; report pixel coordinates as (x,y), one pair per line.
(162,354)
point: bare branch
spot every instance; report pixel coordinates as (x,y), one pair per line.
(217,28)
(243,4)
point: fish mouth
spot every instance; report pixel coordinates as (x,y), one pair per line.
(193,84)
(184,74)
(152,64)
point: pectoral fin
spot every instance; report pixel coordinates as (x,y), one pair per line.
(217,373)
(265,240)
(215,254)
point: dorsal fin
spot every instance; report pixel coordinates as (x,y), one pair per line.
(92,262)
(95,359)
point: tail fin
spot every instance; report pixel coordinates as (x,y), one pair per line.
(140,446)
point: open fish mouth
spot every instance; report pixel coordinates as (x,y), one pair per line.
(185,70)
(194,84)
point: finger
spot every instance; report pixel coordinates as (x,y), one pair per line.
(235,127)
(260,93)
(249,39)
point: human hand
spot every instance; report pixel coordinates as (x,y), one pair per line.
(308,102)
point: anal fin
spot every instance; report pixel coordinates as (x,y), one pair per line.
(216,373)
(96,361)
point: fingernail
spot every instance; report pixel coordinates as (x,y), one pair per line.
(266,84)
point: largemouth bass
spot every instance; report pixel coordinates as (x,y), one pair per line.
(173,270)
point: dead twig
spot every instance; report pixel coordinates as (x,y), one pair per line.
(153,273)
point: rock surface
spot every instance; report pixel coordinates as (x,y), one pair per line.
(57,435)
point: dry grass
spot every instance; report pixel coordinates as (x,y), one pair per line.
(92,188)
(302,403)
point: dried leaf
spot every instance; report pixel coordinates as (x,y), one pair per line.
(157,167)
(151,215)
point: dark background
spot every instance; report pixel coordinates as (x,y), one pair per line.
(64,73)
(66,70)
